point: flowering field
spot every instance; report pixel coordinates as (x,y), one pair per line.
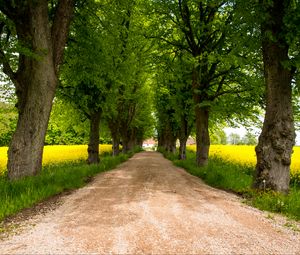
(58,153)
(245,154)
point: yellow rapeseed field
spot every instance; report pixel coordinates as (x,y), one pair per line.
(245,154)
(57,153)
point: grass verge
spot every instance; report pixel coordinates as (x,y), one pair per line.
(54,179)
(238,179)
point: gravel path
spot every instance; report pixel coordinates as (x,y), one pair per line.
(147,205)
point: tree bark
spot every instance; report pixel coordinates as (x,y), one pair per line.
(183,136)
(202,136)
(129,140)
(182,148)
(35,80)
(93,147)
(277,139)
(115,146)
(202,117)
(115,134)
(167,138)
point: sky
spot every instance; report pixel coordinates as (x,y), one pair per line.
(241,131)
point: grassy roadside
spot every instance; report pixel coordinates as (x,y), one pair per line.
(238,179)
(54,179)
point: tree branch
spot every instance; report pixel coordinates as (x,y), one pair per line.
(6,67)
(60,29)
(229,92)
(177,45)
(223,73)
(187,27)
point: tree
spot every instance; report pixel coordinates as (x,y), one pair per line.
(167,125)
(41,38)
(176,104)
(208,34)
(249,139)
(127,52)
(218,136)
(234,139)
(279,34)
(83,78)
(104,72)
(67,125)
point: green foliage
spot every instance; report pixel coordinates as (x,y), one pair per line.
(54,179)
(249,139)
(220,50)
(8,122)
(105,66)
(83,80)
(66,125)
(218,136)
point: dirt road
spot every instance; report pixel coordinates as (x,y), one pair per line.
(147,205)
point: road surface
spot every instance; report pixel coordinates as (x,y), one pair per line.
(147,205)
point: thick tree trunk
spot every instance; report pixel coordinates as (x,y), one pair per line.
(115,134)
(182,148)
(202,117)
(171,144)
(167,138)
(26,147)
(128,143)
(115,146)
(35,79)
(276,141)
(202,136)
(35,88)
(183,136)
(93,147)
(125,146)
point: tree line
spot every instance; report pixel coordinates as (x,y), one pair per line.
(231,60)
(195,64)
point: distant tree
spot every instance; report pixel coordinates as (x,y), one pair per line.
(249,139)
(218,136)
(167,125)
(234,139)
(66,125)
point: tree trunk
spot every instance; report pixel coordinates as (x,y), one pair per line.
(26,147)
(115,146)
(167,139)
(35,79)
(160,139)
(93,147)
(202,136)
(115,134)
(276,141)
(202,117)
(182,148)
(129,139)
(183,136)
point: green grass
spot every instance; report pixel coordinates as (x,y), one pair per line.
(238,179)
(54,179)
